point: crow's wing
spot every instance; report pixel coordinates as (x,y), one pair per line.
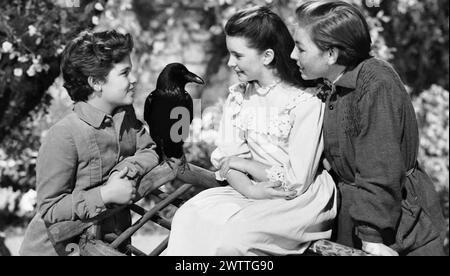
(190,107)
(147,107)
(157,115)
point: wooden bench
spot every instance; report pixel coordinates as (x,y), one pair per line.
(4,251)
(92,244)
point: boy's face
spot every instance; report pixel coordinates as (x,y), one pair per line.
(245,61)
(313,62)
(120,85)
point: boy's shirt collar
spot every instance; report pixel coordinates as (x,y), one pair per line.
(348,80)
(96,117)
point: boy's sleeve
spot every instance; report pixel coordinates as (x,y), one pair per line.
(145,157)
(379,165)
(57,198)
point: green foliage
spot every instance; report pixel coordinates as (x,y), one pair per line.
(32,36)
(433,118)
(418,30)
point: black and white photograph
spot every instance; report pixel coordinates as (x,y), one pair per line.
(224,129)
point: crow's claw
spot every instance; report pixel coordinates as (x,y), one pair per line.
(166,160)
(184,165)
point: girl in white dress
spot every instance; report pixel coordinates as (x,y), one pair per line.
(269,150)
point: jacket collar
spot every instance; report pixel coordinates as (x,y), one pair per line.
(348,80)
(94,116)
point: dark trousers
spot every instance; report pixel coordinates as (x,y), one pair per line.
(344,227)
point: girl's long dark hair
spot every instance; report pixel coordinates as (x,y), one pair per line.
(264,30)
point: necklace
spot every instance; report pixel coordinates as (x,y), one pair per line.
(265,90)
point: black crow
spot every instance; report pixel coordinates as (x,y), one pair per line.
(163,108)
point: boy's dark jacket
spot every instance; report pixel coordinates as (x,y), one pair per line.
(372,140)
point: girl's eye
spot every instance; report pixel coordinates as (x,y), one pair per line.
(236,55)
(299,48)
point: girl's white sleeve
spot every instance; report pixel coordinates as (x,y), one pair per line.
(231,139)
(305,146)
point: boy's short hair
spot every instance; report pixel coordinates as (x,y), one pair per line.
(92,55)
(337,24)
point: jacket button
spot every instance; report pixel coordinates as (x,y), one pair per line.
(331,107)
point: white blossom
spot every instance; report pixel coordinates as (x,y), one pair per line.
(60,50)
(109,15)
(27,202)
(11,163)
(7,47)
(31,72)
(13,55)
(95,20)
(125,6)
(215,29)
(98,6)
(158,46)
(8,199)
(36,60)
(23,59)
(18,72)
(32,30)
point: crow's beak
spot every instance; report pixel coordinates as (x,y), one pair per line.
(191,77)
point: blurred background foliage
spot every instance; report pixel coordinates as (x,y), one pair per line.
(411,34)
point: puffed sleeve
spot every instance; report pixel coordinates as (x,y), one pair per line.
(379,164)
(305,146)
(231,139)
(57,198)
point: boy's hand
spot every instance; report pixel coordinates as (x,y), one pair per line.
(378,249)
(119,189)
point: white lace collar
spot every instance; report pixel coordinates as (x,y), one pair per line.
(265,90)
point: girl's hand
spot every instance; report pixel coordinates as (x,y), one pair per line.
(231,162)
(270,190)
(378,249)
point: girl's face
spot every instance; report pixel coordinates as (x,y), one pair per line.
(313,62)
(119,87)
(247,62)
